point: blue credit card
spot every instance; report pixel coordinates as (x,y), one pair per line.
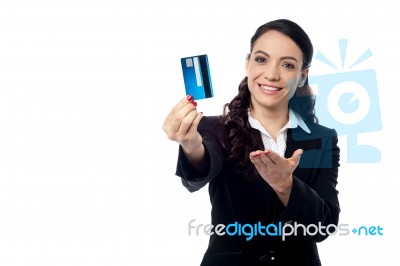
(196,74)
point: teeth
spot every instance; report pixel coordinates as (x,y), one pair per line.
(268,88)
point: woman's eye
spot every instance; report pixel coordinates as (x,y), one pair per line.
(261,60)
(288,66)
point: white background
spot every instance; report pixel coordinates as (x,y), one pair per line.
(86,172)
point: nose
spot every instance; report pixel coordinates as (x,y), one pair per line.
(272,73)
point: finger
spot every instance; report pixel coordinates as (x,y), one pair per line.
(178,114)
(186,124)
(184,101)
(195,123)
(255,158)
(295,159)
(257,162)
(171,115)
(272,156)
(266,159)
(255,153)
(182,117)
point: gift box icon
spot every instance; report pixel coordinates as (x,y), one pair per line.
(349,102)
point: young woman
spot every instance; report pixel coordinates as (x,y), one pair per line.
(271,168)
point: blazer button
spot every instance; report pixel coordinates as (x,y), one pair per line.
(270,256)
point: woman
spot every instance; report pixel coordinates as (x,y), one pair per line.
(270,166)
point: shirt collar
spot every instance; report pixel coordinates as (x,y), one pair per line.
(295,120)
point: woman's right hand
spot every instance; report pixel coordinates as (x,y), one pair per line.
(181,126)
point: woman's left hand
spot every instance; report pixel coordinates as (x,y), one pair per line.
(276,170)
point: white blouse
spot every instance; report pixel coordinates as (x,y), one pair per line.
(279,146)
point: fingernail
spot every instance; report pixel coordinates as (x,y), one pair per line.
(195,104)
(266,152)
(189,98)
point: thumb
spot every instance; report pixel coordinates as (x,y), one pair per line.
(295,159)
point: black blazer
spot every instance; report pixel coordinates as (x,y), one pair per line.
(235,199)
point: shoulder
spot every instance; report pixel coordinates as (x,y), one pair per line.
(321,130)
(319,135)
(209,123)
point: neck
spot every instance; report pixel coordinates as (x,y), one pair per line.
(272,120)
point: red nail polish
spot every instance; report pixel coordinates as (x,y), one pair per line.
(189,98)
(195,104)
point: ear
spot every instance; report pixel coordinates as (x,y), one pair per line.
(303,78)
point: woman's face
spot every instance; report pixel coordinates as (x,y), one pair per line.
(274,71)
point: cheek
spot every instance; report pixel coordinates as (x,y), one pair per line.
(291,85)
(254,71)
(250,84)
(252,75)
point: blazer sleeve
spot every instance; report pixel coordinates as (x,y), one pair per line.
(191,179)
(316,201)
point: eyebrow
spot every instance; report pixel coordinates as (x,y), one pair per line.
(282,58)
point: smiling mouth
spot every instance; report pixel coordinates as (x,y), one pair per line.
(269,88)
